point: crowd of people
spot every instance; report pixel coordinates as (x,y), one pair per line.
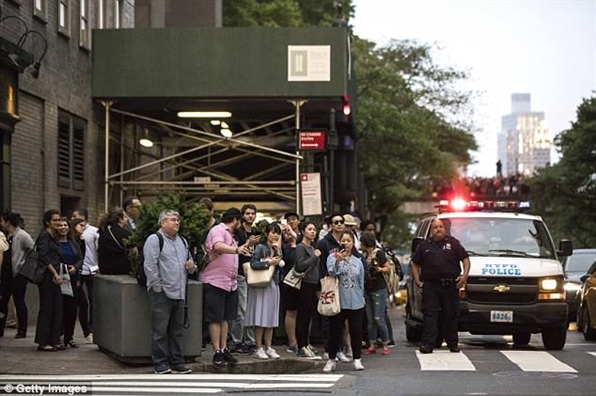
(238,318)
(72,251)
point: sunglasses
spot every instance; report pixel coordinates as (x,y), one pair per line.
(336,222)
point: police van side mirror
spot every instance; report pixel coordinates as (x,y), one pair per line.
(565,248)
(415,242)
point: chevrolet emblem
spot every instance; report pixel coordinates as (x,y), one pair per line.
(501,288)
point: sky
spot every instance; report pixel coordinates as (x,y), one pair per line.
(543,47)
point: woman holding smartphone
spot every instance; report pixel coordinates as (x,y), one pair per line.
(350,271)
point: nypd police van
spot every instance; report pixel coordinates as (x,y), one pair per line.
(516,282)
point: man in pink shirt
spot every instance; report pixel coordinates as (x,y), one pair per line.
(220,289)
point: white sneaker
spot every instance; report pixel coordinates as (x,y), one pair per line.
(89,339)
(329,366)
(260,354)
(358,365)
(349,352)
(342,357)
(272,354)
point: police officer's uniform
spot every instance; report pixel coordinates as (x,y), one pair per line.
(440,266)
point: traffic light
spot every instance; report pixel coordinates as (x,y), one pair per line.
(346,105)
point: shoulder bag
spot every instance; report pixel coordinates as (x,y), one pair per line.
(33,269)
(258,277)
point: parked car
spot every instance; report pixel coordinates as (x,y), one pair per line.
(575,266)
(586,311)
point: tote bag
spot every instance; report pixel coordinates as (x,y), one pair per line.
(258,278)
(329,298)
(65,286)
(33,269)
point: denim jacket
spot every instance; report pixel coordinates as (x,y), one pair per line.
(351,281)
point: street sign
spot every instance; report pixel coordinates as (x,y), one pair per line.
(312,203)
(311,139)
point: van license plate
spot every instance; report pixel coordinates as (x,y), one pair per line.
(501,316)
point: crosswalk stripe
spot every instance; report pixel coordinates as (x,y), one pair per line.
(444,361)
(592,353)
(538,361)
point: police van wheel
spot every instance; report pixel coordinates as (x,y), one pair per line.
(554,338)
(521,338)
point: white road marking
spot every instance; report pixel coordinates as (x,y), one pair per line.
(592,353)
(444,361)
(538,361)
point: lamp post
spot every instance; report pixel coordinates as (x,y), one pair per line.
(14,59)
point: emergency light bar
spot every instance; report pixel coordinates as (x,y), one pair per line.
(461,205)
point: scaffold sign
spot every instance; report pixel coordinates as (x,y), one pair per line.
(311,139)
(310,184)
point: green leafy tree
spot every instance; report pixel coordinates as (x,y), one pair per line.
(565,193)
(408,134)
(194,221)
(283,13)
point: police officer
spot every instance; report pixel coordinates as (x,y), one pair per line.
(440,279)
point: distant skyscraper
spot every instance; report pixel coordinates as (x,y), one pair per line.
(524,142)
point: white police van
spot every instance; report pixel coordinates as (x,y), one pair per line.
(516,282)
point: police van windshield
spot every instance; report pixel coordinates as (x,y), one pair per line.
(502,237)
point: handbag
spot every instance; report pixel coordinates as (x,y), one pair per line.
(65,286)
(258,278)
(328,304)
(33,269)
(294,279)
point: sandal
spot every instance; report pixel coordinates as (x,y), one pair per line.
(59,347)
(72,344)
(47,348)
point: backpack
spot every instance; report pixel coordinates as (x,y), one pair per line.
(140,275)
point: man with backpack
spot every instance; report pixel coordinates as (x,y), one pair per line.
(167,265)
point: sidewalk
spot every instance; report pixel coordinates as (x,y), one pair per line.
(20,356)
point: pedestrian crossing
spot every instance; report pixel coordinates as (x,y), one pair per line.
(528,361)
(177,384)
(504,361)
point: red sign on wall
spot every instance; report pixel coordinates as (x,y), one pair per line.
(311,139)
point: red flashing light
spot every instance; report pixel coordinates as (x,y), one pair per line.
(461,205)
(347,110)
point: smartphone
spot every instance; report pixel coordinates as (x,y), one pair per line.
(284,222)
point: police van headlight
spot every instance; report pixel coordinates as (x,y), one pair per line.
(548,284)
(551,289)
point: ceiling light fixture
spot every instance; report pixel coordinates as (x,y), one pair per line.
(146,143)
(226,133)
(204,114)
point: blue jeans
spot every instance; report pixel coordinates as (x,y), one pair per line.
(167,329)
(376,306)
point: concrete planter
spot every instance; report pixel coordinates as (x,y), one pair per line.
(122,319)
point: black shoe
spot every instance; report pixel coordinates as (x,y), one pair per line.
(21,335)
(454,349)
(218,359)
(425,349)
(181,369)
(228,358)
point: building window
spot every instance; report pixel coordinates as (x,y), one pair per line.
(40,9)
(64,17)
(117,14)
(85,28)
(71,151)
